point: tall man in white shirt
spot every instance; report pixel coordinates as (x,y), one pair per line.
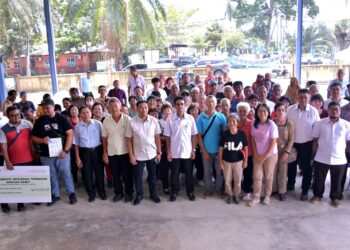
(336,95)
(143,138)
(330,136)
(135,79)
(304,116)
(181,131)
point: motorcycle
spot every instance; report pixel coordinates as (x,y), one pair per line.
(280,73)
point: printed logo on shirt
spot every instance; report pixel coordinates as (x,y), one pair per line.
(230,146)
(49,127)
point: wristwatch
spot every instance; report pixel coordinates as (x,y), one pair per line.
(67,151)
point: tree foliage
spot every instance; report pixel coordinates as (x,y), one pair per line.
(214,35)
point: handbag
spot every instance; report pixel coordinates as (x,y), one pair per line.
(292,156)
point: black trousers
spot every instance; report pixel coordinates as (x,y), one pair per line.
(187,166)
(152,176)
(292,173)
(164,165)
(93,170)
(321,171)
(73,165)
(198,163)
(122,174)
(247,185)
(304,161)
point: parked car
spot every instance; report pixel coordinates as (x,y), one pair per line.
(184,60)
(139,66)
(219,66)
(311,59)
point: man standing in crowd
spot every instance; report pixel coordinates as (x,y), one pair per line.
(181,131)
(16,145)
(115,150)
(156,86)
(186,83)
(143,137)
(342,81)
(330,136)
(103,98)
(118,92)
(10,100)
(88,153)
(335,96)
(85,84)
(53,126)
(135,79)
(262,95)
(303,116)
(174,92)
(75,99)
(24,101)
(210,124)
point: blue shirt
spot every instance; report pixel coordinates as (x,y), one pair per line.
(88,135)
(212,138)
(85,84)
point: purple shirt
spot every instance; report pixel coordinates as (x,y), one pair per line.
(262,136)
(120,94)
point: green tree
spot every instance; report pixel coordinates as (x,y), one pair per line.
(342,34)
(213,35)
(233,40)
(198,42)
(260,14)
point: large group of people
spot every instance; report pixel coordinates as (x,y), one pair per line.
(236,136)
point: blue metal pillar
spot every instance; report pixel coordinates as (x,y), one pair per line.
(2,82)
(299,40)
(51,45)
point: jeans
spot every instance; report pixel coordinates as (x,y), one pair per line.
(175,175)
(208,171)
(152,176)
(59,167)
(122,174)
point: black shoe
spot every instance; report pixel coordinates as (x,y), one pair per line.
(155,198)
(191,197)
(103,197)
(5,208)
(128,198)
(109,184)
(53,201)
(304,197)
(172,197)
(91,199)
(137,200)
(20,207)
(166,191)
(37,204)
(72,198)
(117,197)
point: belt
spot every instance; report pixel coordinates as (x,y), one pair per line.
(90,149)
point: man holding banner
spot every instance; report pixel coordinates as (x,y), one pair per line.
(15,138)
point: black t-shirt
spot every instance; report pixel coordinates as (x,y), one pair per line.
(53,128)
(233,144)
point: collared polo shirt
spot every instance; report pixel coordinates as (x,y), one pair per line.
(303,121)
(180,131)
(143,137)
(212,138)
(115,134)
(88,135)
(85,84)
(332,139)
(138,81)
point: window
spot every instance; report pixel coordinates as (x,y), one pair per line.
(6,65)
(101,58)
(47,63)
(16,64)
(70,62)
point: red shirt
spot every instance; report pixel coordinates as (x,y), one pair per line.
(246,127)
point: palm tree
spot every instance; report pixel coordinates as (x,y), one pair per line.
(115,16)
(23,17)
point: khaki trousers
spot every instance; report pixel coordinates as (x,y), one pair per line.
(280,177)
(264,169)
(233,171)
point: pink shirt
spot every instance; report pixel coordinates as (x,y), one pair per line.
(262,136)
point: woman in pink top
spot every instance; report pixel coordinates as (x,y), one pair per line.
(264,137)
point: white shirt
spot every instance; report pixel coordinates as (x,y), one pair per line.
(180,131)
(162,92)
(143,137)
(304,121)
(332,139)
(138,81)
(115,134)
(342,103)
(271,105)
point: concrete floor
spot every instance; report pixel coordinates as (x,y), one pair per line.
(203,224)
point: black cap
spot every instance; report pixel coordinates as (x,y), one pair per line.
(47,102)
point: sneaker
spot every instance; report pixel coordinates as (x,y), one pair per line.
(229,199)
(315,200)
(236,200)
(247,197)
(335,203)
(266,200)
(253,202)
(201,183)
(282,197)
(72,198)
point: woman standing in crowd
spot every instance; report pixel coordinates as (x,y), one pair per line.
(73,118)
(264,138)
(89,100)
(245,124)
(292,90)
(132,108)
(317,102)
(233,157)
(168,82)
(285,143)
